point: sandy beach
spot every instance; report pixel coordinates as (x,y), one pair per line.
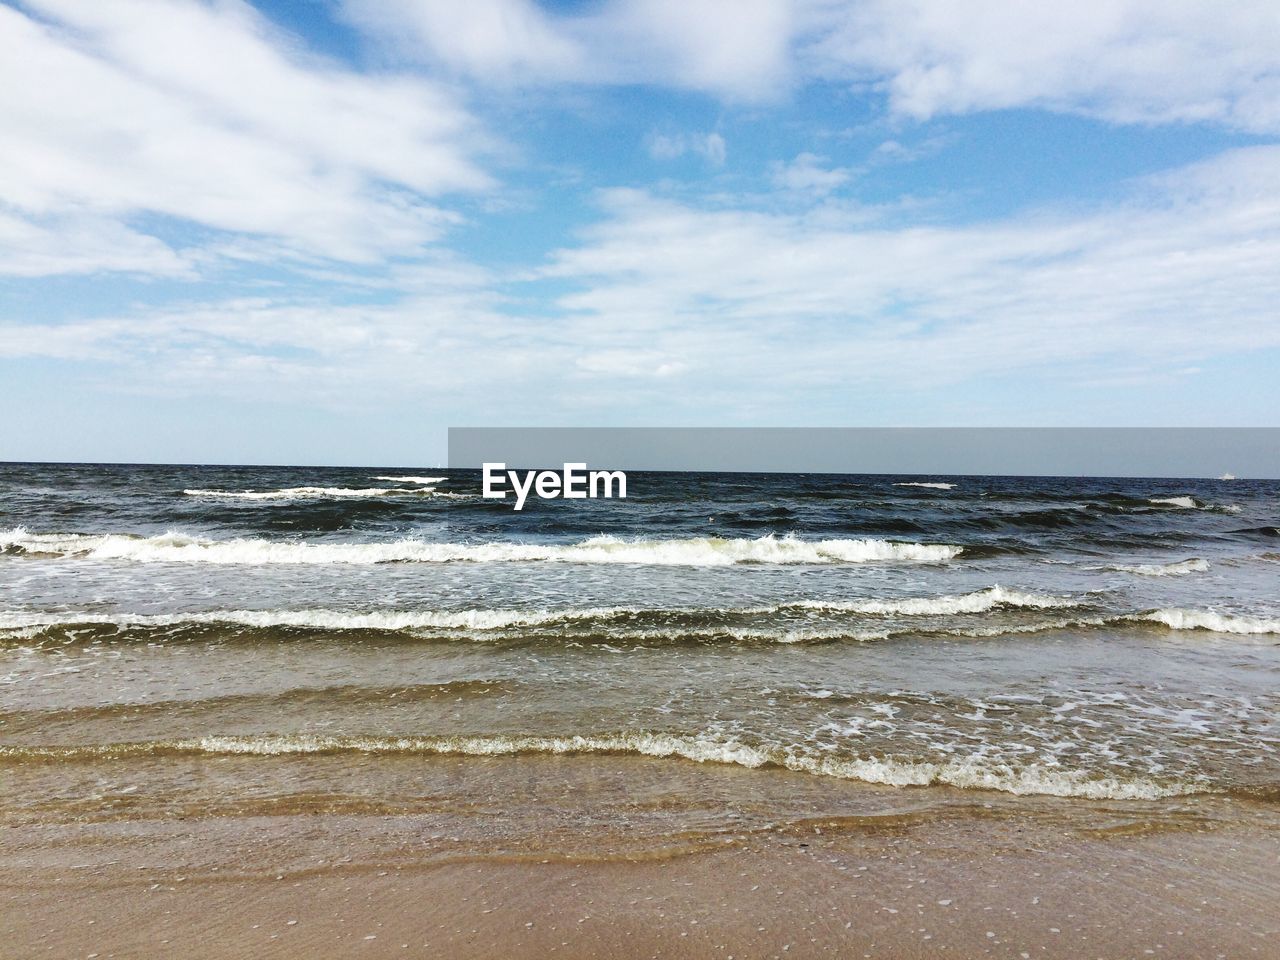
(918,873)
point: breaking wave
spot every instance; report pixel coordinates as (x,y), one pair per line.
(176,547)
(630,622)
(980,601)
(1186,503)
(1179,569)
(972,773)
(928,486)
(1190,503)
(421,480)
(633,624)
(307,493)
(1180,619)
(389,620)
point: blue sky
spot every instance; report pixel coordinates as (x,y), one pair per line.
(325,231)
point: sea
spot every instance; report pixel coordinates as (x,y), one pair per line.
(711,651)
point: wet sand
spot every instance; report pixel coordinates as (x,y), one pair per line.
(949,874)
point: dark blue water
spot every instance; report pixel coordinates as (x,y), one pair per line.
(985,513)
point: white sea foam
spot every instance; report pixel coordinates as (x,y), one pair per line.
(1179,569)
(176,547)
(1186,503)
(471,624)
(421,480)
(1174,619)
(318,619)
(482,620)
(968,773)
(1190,503)
(27,624)
(928,486)
(305,493)
(651,624)
(1180,619)
(980,601)
(1039,626)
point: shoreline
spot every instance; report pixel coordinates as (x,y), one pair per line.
(921,871)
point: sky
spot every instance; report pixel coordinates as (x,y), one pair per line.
(324,231)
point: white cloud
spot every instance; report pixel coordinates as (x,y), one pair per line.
(734,51)
(633,362)
(440,337)
(78,244)
(1127,61)
(153,135)
(739,313)
(1183,271)
(739,51)
(499,41)
(202,114)
(807,174)
(710,146)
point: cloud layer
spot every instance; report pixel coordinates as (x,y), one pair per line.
(1183,269)
(740,52)
(121,110)
(716,297)
(1126,61)
(276,225)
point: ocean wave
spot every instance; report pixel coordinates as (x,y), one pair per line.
(1181,619)
(981,601)
(308,493)
(317,619)
(618,624)
(1191,503)
(1174,619)
(972,773)
(421,480)
(162,629)
(1186,503)
(1179,569)
(928,486)
(176,547)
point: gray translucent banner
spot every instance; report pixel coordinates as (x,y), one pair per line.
(1245,452)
